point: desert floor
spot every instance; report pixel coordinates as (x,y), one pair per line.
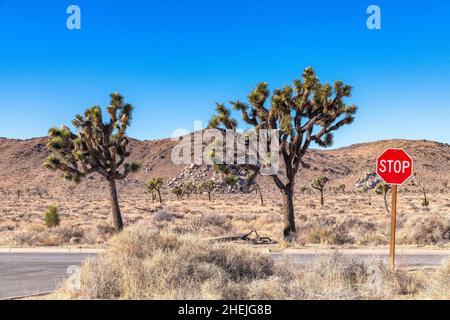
(351,219)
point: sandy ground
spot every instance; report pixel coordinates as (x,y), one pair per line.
(350,220)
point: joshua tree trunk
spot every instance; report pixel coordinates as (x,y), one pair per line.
(160,198)
(289,230)
(321,198)
(209,196)
(117,217)
(386,204)
(260,195)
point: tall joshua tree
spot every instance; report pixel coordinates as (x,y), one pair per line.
(96,147)
(307,112)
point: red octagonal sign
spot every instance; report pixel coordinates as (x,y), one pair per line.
(395,166)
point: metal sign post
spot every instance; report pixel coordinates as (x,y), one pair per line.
(393,227)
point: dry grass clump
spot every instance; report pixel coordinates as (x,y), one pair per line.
(210,224)
(142,264)
(432,229)
(154,265)
(38,235)
(324,230)
(331,277)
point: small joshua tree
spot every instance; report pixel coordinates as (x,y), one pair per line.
(341,188)
(207,186)
(52,218)
(155,185)
(319,184)
(383,189)
(188,188)
(178,191)
(307,112)
(97,147)
(231,180)
(418,182)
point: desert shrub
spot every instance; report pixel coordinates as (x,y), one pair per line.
(328,277)
(399,282)
(143,264)
(52,218)
(211,224)
(37,235)
(324,230)
(432,229)
(153,265)
(161,215)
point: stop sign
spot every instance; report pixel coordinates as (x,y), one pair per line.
(395,166)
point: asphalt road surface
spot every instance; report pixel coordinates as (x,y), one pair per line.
(410,259)
(23,274)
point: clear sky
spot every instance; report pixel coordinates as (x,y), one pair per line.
(173,59)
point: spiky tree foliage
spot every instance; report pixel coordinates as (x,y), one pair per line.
(319,184)
(178,191)
(231,180)
(96,147)
(383,189)
(155,185)
(304,113)
(207,186)
(52,218)
(188,188)
(341,188)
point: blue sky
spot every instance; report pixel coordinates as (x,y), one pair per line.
(173,59)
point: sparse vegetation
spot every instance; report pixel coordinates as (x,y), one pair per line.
(52,218)
(97,147)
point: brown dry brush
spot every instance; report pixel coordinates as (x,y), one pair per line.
(140,264)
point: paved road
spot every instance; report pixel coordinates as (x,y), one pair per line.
(26,273)
(30,273)
(410,258)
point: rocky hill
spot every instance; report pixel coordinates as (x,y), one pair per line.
(21,166)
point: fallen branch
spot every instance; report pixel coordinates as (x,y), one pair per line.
(257,240)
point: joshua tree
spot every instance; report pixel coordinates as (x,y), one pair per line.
(208,187)
(178,191)
(341,188)
(188,188)
(319,184)
(307,112)
(383,189)
(258,190)
(418,182)
(231,180)
(96,147)
(155,185)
